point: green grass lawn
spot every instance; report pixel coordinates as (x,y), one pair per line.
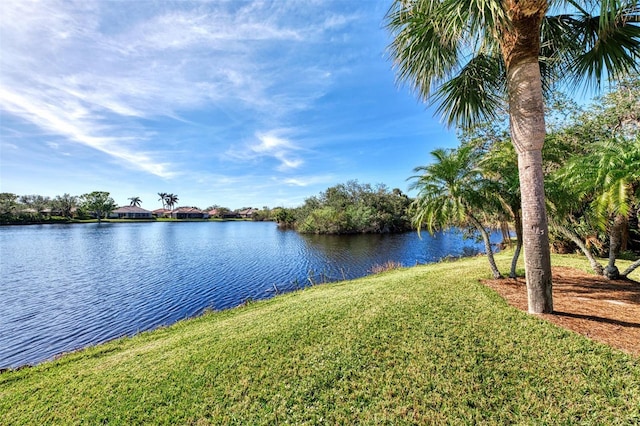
(422,345)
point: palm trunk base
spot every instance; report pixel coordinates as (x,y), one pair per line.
(539,297)
(612,272)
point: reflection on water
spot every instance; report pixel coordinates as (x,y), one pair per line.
(64,287)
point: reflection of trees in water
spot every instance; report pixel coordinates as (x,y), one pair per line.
(354,255)
(353,248)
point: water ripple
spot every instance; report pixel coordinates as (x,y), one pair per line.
(86,284)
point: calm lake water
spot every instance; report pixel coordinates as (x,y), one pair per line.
(64,287)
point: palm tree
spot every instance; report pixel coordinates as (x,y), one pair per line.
(450,190)
(610,176)
(171,200)
(498,166)
(135,201)
(569,216)
(163,198)
(482,55)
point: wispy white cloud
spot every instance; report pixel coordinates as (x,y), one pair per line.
(9,146)
(304,181)
(55,120)
(242,100)
(91,71)
(270,142)
(272,145)
(288,163)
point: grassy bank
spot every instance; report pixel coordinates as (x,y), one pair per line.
(422,345)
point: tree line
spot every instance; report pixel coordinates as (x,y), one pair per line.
(16,209)
(474,60)
(34,208)
(591,163)
(349,208)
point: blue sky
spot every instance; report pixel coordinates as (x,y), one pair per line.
(235,103)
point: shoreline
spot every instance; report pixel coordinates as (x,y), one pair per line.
(423,345)
(81,221)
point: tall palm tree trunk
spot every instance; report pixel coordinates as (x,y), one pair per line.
(487,246)
(537,255)
(520,48)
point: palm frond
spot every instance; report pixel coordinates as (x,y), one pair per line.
(447,189)
(558,47)
(609,43)
(431,40)
(423,55)
(485,17)
(476,94)
(605,178)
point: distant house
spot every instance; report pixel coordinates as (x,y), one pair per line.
(131,212)
(161,213)
(213,213)
(247,213)
(29,211)
(51,212)
(189,213)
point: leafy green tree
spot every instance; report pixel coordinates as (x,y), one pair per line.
(616,113)
(473,58)
(221,211)
(98,203)
(284,217)
(450,192)
(326,220)
(37,203)
(569,216)
(135,201)
(353,207)
(8,206)
(262,214)
(65,203)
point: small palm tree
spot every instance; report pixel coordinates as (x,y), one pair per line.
(163,198)
(498,165)
(135,201)
(478,57)
(569,215)
(610,176)
(171,200)
(450,191)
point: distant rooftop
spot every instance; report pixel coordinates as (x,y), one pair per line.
(131,209)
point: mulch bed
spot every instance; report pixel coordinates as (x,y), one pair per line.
(603,310)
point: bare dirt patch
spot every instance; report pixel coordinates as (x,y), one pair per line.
(603,310)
